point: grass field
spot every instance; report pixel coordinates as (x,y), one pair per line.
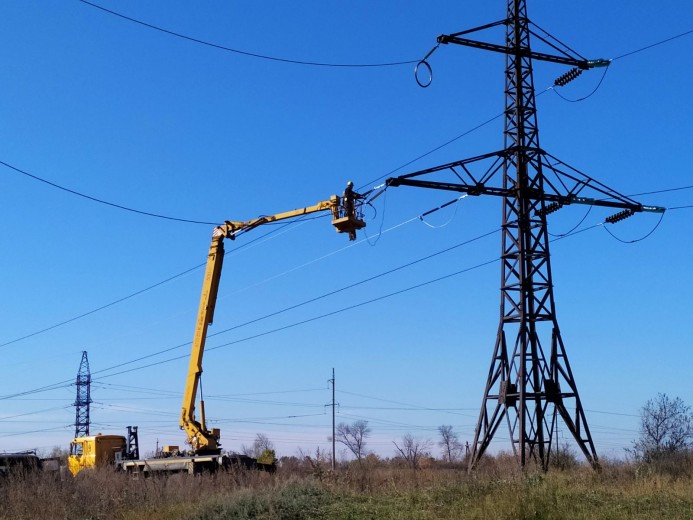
(377,490)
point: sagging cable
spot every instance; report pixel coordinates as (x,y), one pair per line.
(380,190)
(622,215)
(567,78)
(424,63)
(421,217)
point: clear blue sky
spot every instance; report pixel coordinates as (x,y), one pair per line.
(139,118)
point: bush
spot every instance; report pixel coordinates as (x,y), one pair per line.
(382,490)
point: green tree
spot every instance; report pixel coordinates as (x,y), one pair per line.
(267,456)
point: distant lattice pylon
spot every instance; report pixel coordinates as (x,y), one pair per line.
(83,400)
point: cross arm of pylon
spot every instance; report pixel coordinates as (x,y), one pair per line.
(564,60)
(565,55)
(564,185)
(560,184)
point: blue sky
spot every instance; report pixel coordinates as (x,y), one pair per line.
(142,119)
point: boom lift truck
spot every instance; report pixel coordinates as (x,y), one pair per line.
(205,453)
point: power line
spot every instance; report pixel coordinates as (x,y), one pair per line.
(409,406)
(690,186)
(606,69)
(303,322)
(433,150)
(59,385)
(4,419)
(55,386)
(301,304)
(652,45)
(55,428)
(268,393)
(312,319)
(279,329)
(661,217)
(138,389)
(290,326)
(246,53)
(612,413)
(446,143)
(137,293)
(101,201)
(383,421)
(313,63)
(158,393)
(69,382)
(361,282)
(594,91)
(111,304)
(190,221)
(151,287)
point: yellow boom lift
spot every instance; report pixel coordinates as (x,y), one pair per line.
(344,219)
(206,448)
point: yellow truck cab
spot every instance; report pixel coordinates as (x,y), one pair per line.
(95,450)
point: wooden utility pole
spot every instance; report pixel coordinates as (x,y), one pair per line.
(333,428)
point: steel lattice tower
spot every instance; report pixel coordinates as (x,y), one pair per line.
(530,382)
(528,388)
(83,400)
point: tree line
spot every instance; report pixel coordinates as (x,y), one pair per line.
(665,432)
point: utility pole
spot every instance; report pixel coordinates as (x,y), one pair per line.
(334,450)
(83,400)
(530,382)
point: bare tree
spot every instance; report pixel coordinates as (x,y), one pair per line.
(261,445)
(666,428)
(318,463)
(413,449)
(353,436)
(449,442)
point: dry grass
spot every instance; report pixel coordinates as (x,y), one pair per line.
(375,491)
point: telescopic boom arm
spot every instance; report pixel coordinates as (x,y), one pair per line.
(345,219)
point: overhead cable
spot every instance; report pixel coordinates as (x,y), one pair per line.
(589,209)
(309,320)
(301,304)
(433,150)
(690,31)
(4,419)
(324,64)
(187,271)
(54,386)
(101,201)
(111,304)
(255,336)
(151,287)
(599,84)
(53,429)
(661,217)
(617,58)
(689,187)
(246,53)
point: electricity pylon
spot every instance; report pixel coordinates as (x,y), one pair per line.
(83,400)
(530,382)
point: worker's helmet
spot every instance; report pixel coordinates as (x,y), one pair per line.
(350,184)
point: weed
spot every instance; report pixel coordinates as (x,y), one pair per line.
(377,490)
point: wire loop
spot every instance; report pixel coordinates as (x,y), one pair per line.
(430,74)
